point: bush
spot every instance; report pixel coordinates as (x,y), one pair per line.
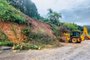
(3,36)
(6,43)
(40,38)
(44,39)
(37,37)
(4,39)
(56,30)
(26,31)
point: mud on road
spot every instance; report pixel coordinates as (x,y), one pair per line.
(67,52)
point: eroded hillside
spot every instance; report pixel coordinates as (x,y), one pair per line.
(12,22)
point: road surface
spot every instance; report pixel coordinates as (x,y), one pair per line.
(67,52)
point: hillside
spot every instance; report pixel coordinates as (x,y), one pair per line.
(9,13)
(26,6)
(12,22)
(37,27)
(40,27)
(26,31)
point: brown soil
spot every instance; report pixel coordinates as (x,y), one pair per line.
(40,27)
(13,30)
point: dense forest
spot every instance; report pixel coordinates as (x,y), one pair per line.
(27,7)
(24,12)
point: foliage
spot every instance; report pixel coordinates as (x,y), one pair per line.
(44,39)
(54,17)
(6,43)
(55,29)
(9,13)
(71,26)
(26,46)
(26,6)
(4,39)
(37,37)
(54,21)
(26,31)
(3,36)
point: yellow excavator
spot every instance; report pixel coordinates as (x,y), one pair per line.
(76,36)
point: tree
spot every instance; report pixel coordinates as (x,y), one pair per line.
(26,6)
(54,17)
(71,26)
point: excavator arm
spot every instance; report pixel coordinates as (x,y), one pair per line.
(85,34)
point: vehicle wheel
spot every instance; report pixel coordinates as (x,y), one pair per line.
(79,41)
(74,40)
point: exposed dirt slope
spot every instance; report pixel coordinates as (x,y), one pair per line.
(40,27)
(13,31)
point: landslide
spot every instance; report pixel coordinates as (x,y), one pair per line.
(12,21)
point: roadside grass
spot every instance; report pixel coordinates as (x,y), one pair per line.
(6,43)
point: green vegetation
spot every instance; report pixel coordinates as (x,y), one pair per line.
(3,36)
(6,43)
(26,46)
(53,20)
(9,13)
(4,40)
(71,26)
(27,7)
(54,17)
(37,37)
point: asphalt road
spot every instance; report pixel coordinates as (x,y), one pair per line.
(67,52)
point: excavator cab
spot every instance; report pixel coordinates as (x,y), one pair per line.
(75,37)
(75,34)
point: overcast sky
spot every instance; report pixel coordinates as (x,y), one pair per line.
(77,11)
